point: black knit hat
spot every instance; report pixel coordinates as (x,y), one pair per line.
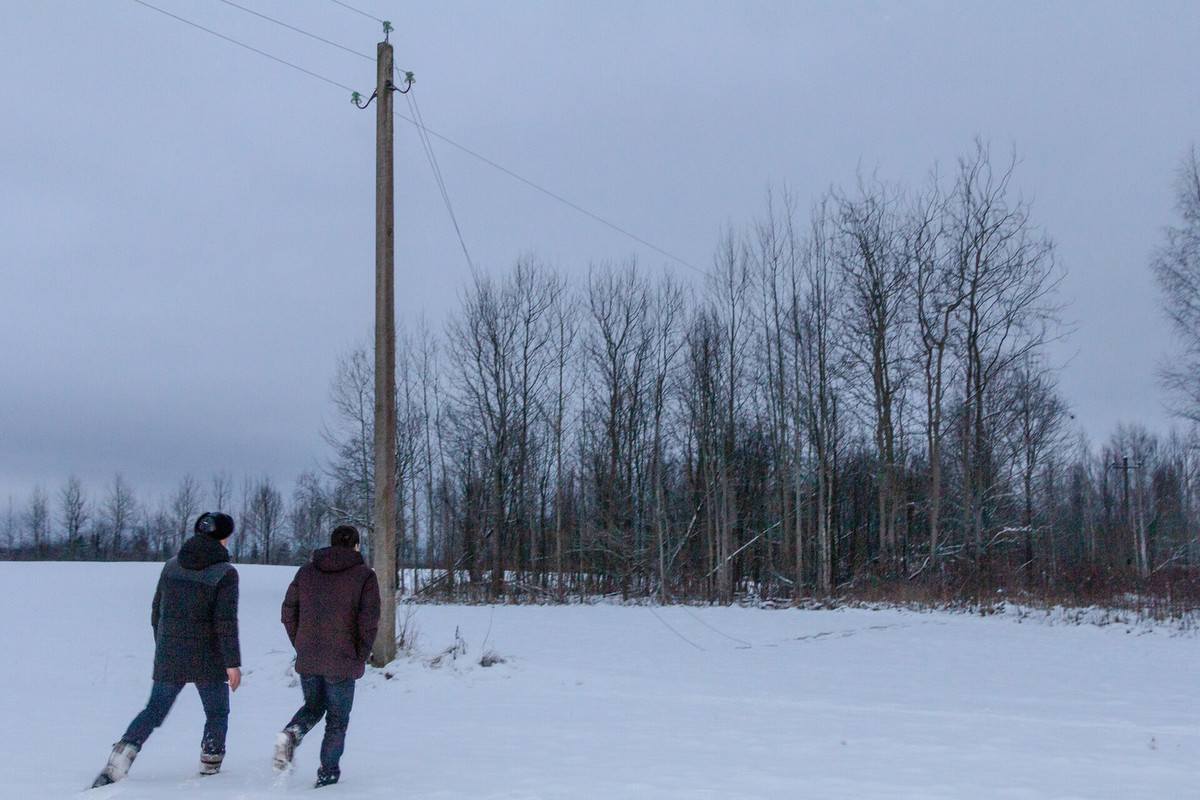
(215,524)
(344,536)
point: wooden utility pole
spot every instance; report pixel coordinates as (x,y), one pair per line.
(1135,526)
(384,545)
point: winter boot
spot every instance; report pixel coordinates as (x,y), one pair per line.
(210,763)
(119,761)
(326,778)
(285,749)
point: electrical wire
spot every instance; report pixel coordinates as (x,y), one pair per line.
(426,145)
(356,11)
(243,44)
(297,30)
(425,131)
(714,630)
(566,202)
(417,122)
(422,133)
(672,630)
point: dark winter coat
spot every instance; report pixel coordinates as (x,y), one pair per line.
(194,615)
(331,612)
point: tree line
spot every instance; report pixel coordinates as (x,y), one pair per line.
(857,397)
(115,524)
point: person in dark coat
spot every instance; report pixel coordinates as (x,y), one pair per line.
(194,618)
(331,613)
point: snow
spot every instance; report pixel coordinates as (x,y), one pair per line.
(612,702)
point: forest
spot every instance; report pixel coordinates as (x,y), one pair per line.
(858,399)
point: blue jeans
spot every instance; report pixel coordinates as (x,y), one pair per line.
(331,698)
(213,695)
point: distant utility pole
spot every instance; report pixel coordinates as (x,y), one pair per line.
(1135,525)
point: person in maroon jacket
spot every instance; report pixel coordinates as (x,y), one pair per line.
(331,613)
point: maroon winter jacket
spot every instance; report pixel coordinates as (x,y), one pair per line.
(331,613)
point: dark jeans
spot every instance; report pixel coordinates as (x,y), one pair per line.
(330,698)
(214,696)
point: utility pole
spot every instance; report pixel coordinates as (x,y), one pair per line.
(384,546)
(1135,527)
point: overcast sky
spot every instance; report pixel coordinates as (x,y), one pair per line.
(187,227)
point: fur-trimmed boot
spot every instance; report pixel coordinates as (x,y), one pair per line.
(119,761)
(210,763)
(285,748)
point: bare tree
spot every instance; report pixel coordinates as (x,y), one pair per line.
(731,284)
(617,347)
(185,504)
(777,256)
(483,346)
(409,429)
(1082,506)
(151,526)
(10,528)
(352,438)
(1176,265)
(37,519)
(667,310)
(876,274)
(247,525)
(430,380)
(701,400)
(119,512)
(222,490)
(1038,426)
(939,291)
(817,306)
(75,514)
(538,292)
(1009,278)
(309,515)
(265,514)
(1172,487)
(564,327)
(439,488)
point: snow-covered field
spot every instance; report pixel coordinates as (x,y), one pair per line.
(608,702)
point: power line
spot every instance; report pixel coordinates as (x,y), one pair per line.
(356,11)
(418,123)
(564,201)
(422,129)
(243,44)
(297,30)
(426,145)
(672,630)
(423,134)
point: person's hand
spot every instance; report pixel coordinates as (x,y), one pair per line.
(235,678)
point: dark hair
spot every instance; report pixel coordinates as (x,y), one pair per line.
(215,524)
(344,536)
